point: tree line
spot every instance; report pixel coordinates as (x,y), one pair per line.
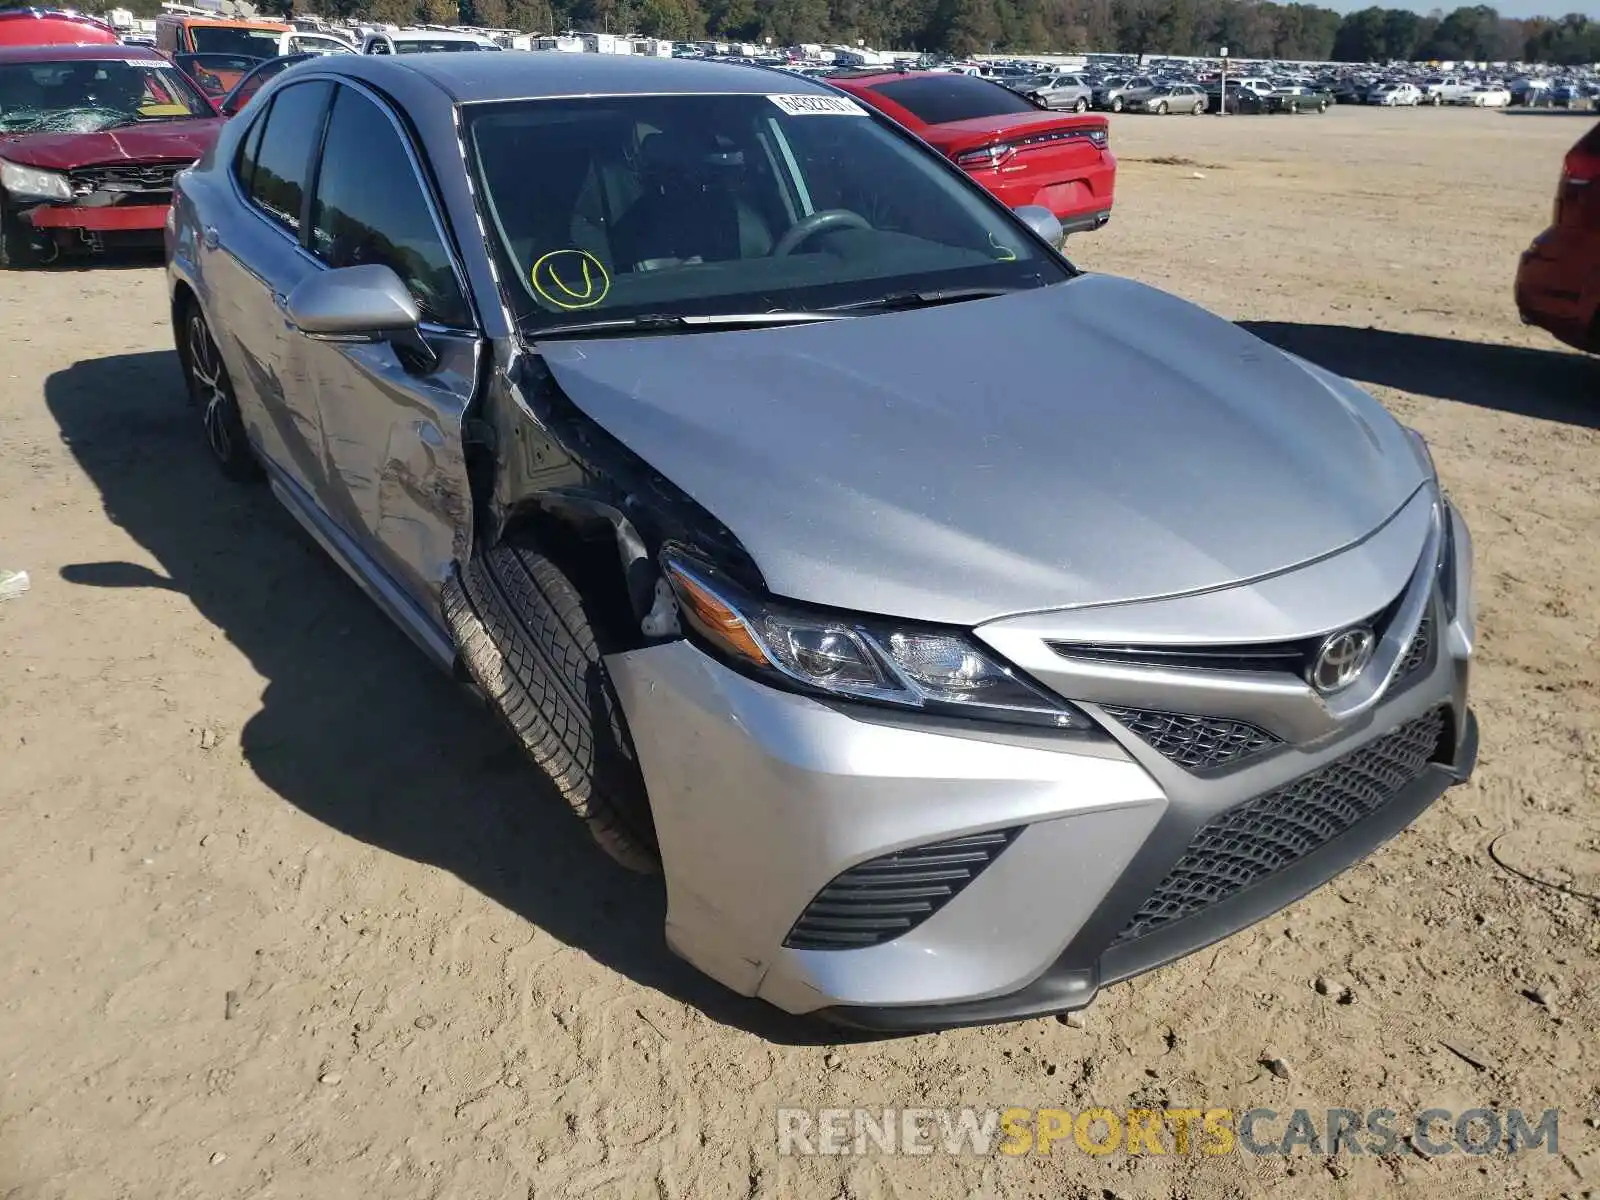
(1248,28)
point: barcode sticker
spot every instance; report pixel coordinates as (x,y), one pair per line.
(818,106)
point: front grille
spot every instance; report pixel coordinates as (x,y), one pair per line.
(882,898)
(138,178)
(1296,657)
(1194,743)
(1260,837)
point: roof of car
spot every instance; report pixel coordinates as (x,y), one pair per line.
(76,53)
(226,22)
(519,74)
(427,35)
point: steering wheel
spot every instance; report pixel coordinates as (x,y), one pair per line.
(807,228)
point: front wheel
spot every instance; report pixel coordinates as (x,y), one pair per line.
(18,247)
(211,391)
(1322,106)
(527,638)
(1116,104)
(1161,109)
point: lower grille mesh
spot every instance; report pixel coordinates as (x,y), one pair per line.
(1196,743)
(882,898)
(1263,836)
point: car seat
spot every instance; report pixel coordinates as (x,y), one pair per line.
(690,209)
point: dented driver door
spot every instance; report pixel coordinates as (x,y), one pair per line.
(391,416)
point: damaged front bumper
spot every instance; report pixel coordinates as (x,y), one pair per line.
(121,218)
(1061,863)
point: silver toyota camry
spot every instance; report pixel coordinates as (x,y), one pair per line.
(957,631)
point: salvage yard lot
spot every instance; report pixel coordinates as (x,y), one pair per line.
(286,916)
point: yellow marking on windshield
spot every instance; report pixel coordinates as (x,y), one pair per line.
(570,279)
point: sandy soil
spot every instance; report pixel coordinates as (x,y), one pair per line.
(285,916)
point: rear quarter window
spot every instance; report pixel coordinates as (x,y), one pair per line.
(938,99)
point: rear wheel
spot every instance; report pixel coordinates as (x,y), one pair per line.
(1322,106)
(534,647)
(1199,108)
(211,391)
(1080,105)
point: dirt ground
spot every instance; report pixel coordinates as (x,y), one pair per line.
(284,915)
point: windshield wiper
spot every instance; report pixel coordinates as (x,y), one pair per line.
(667,322)
(928,299)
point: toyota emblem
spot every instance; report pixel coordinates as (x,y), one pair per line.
(1342,658)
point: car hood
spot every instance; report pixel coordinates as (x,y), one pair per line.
(135,143)
(1088,443)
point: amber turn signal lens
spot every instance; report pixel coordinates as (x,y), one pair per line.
(714,619)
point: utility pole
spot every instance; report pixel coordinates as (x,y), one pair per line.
(1222,99)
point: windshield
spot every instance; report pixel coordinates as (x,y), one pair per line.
(226,39)
(442,46)
(722,204)
(937,99)
(94,94)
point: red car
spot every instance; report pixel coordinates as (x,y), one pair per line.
(90,139)
(1558,283)
(1022,153)
(44,27)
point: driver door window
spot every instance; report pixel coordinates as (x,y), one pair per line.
(370,208)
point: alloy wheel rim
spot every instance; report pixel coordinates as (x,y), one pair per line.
(206,371)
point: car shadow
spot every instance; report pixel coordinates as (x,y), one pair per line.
(1554,385)
(355,727)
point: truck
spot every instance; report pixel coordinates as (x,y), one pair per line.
(1445,89)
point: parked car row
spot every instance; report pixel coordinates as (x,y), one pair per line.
(93,131)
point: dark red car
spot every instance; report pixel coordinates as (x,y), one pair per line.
(1558,283)
(90,139)
(1022,153)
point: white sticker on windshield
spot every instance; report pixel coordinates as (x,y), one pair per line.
(818,106)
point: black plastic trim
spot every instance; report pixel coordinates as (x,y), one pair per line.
(1070,983)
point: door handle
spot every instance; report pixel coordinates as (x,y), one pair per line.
(209,236)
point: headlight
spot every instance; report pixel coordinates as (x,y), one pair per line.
(31,183)
(861,658)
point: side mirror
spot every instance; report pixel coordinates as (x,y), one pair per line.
(360,304)
(1043,222)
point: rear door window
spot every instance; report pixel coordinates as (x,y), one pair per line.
(371,208)
(938,99)
(292,129)
(249,146)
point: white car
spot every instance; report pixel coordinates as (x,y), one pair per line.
(1484,97)
(1393,95)
(303,42)
(424,41)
